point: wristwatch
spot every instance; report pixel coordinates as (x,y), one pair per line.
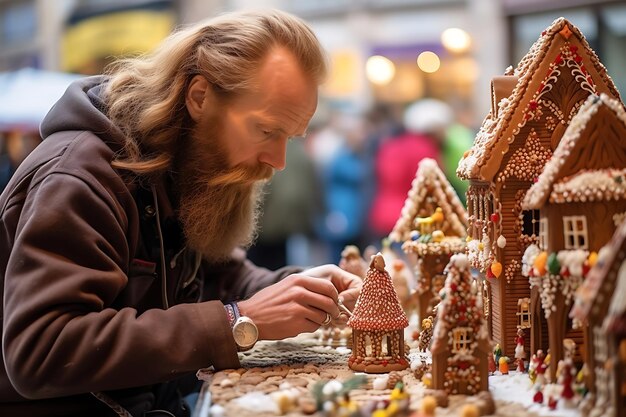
(245,333)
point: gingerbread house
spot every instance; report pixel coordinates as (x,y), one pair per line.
(532,106)
(352,261)
(600,304)
(579,191)
(460,345)
(378,324)
(432,227)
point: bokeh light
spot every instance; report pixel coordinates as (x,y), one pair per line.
(428,61)
(456,40)
(379,70)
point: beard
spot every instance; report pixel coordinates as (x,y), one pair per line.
(219,205)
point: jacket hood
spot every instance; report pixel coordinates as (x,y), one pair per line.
(82,108)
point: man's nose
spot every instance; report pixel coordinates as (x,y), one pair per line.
(276,155)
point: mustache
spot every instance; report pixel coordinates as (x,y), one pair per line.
(242,175)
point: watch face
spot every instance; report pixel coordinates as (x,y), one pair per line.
(245,333)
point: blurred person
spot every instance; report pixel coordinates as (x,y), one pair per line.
(326,140)
(436,119)
(346,183)
(14,148)
(121,232)
(395,166)
(383,121)
(291,202)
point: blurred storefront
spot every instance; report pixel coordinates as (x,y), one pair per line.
(97,32)
(80,36)
(374,44)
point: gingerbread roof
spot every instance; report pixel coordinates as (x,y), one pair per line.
(561,48)
(378,306)
(590,162)
(606,280)
(431,189)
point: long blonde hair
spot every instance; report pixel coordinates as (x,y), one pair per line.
(145,96)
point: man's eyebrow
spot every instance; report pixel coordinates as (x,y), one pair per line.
(274,124)
(295,135)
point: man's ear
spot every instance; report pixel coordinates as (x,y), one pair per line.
(198,93)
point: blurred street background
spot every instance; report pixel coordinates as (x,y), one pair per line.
(410,79)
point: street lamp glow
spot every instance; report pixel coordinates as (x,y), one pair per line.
(455,40)
(428,61)
(379,70)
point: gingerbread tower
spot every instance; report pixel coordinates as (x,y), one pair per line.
(378,324)
(460,342)
(532,106)
(433,226)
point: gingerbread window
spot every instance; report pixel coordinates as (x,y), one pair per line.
(599,344)
(368,346)
(523,313)
(530,225)
(543,233)
(461,339)
(385,346)
(575,232)
(486,299)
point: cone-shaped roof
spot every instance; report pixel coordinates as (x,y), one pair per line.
(431,189)
(378,306)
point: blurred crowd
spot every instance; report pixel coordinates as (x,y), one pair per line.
(347,183)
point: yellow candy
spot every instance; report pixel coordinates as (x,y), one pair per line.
(470,410)
(496,269)
(392,409)
(540,263)
(593,258)
(380,413)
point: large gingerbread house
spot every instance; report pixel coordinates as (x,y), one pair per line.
(460,345)
(378,324)
(579,191)
(600,304)
(432,227)
(531,108)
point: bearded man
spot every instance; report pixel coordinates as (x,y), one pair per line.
(121,234)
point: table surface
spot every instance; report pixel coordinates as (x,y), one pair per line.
(303,361)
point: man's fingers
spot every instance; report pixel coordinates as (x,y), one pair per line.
(349,297)
(342,280)
(322,305)
(319,286)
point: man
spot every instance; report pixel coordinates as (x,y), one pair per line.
(125,221)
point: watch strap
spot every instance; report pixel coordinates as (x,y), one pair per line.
(231,315)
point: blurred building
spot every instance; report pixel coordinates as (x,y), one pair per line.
(393,51)
(80,36)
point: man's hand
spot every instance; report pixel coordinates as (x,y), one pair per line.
(300,303)
(348,285)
